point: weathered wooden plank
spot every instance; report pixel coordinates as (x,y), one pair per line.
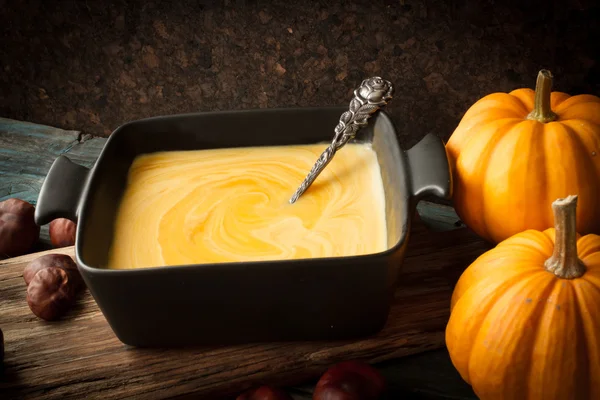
(80,357)
(438,217)
(428,375)
(28,150)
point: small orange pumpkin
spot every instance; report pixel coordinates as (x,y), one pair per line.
(525,316)
(513,153)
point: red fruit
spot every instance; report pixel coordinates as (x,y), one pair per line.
(350,380)
(18,231)
(62,232)
(264,393)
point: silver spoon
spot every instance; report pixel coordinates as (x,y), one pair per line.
(372,94)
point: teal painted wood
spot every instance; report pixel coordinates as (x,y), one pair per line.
(438,217)
(28,150)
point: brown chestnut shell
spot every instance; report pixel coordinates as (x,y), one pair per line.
(62,232)
(350,380)
(50,293)
(264,393)
(54,261)
(18,230)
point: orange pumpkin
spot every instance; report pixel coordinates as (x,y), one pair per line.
(513,153)
(525,316)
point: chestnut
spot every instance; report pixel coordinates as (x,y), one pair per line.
(62,232)
(50,293)
(350,380)
(53,281)
(264,393)
(1,346)
(53,260)
(18,230)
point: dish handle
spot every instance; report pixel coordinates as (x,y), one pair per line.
(61,191)
(430,170)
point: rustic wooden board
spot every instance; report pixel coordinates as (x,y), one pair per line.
(80,357)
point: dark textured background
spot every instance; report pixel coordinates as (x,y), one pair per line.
(93,65)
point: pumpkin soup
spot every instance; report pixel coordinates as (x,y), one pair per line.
(227,205)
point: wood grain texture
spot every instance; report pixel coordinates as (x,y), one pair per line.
(80,357)
(28,150)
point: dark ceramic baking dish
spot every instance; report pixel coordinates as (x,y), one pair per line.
(310,299)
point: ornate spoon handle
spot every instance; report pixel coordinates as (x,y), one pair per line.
(372,94)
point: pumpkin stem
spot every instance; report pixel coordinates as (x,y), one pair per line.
(564,262)
(541,106)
